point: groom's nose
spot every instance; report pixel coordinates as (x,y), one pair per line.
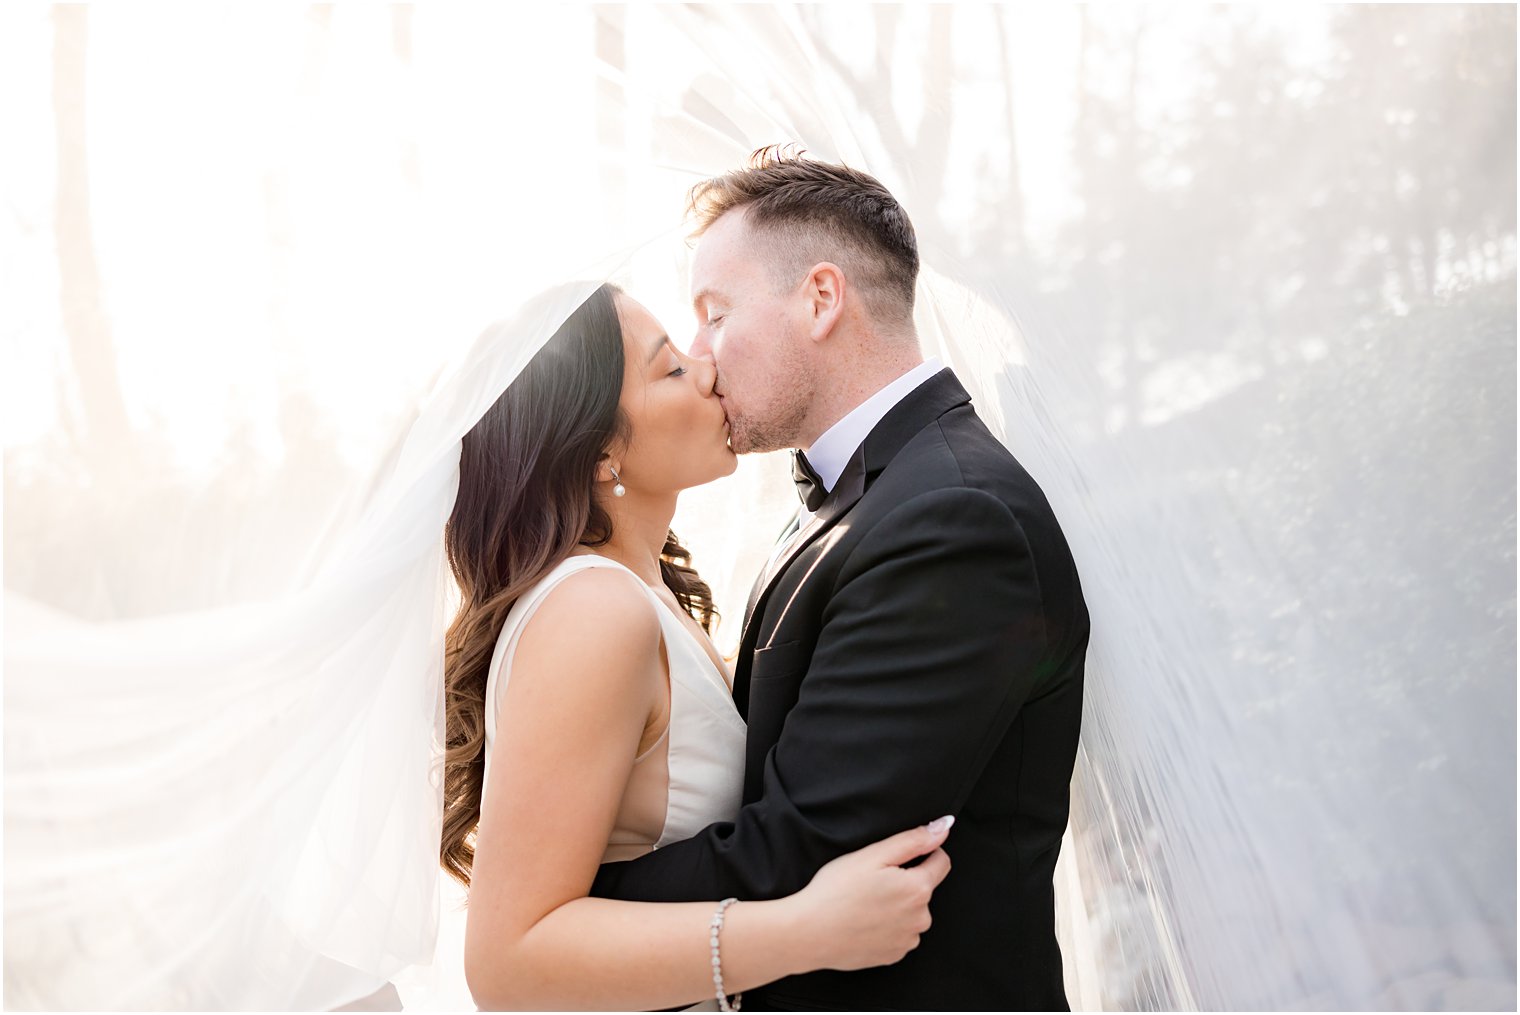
(701,348)
(707,374)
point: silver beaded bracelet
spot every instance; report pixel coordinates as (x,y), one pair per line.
(717,963)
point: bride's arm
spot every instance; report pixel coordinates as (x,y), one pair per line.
(585,677)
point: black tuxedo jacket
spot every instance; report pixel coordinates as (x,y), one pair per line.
(917,652)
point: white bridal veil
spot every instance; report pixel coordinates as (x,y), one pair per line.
(1237,285)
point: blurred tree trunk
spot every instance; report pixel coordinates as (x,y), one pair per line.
(1126,303)
(401,49)
(1082,48)
(318,41)
(611,108)
(932,145)
(284,231)
(100,418)
(1012,224)
(873,94)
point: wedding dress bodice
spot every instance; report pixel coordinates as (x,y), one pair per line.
(693,775)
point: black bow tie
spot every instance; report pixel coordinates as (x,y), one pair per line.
(809,487)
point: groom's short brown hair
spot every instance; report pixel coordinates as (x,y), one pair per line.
(814,211)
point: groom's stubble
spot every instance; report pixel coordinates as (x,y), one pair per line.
(769,413)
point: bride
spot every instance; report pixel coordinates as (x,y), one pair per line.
(589,717)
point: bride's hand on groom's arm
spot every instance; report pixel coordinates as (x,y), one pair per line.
(862,909)
(865,908)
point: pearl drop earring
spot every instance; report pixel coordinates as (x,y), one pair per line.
(618,488)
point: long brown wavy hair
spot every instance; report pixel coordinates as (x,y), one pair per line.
(526,477)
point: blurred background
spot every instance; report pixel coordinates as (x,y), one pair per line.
(1248,274)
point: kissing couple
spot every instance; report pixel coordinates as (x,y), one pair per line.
(866,812)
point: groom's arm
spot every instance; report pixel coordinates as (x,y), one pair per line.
(934,639)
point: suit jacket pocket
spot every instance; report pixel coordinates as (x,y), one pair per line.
(776,673)
(782,659)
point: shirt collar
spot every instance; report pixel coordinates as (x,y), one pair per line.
(831,452)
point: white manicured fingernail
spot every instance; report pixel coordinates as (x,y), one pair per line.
(941,824)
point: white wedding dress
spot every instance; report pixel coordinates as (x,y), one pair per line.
(689,778)
(694,774)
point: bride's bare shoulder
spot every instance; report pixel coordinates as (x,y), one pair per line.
(597,623)
(614,590)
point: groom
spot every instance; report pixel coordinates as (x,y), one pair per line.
(915,647)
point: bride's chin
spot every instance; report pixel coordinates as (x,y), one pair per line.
(728,465)
(722,465)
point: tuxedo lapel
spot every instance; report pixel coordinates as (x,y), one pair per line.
(920,407)
(783,543)
(840,499)
(846,492)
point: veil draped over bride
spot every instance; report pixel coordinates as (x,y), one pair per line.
(1238,288)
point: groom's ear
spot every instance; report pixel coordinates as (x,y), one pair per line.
(824,288)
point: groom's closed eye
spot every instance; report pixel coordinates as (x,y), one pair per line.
(705,302)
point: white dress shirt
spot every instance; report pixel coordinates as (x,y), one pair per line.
(831,452)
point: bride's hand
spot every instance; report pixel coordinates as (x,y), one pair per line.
(865,909)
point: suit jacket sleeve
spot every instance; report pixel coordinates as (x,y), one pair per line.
(932,640)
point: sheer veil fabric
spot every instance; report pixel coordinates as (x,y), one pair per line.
(250,254)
